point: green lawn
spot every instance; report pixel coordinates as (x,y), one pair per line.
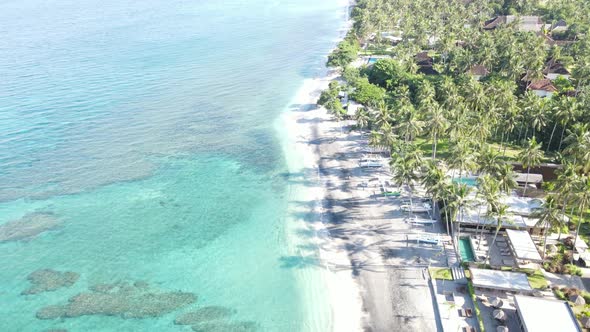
(537,280)
(442,149)
(441,273)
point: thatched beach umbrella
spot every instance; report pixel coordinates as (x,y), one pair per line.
(501,328)
(499,314)
(577,299)
(585,322)
(496,302)
(551,248)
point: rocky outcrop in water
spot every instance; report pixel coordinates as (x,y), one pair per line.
(47,280)
(121,299)
(28,227)
(204,314)
(226,327)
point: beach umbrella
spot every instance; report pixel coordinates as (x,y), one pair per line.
(551,248)
(499,314)
(577,299)
(585,322)
(501,328)
(496,302)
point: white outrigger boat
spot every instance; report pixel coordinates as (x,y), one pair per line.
(372,162)
(424,207)
(420,221)
(429,240)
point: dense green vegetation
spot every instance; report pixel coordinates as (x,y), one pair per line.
(461,95)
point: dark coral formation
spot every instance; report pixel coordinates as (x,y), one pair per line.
(204,314)
(47,280)
(28,226)
(122,299)
(226,327)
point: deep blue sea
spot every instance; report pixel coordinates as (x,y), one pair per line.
(139,150)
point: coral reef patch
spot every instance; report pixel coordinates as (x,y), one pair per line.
(28,227)
(226,327)
(204,314)
(120,299)
(47,280)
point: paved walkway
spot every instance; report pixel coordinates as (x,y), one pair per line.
(451,298)
(562,280)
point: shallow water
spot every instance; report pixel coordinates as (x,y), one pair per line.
(143,135)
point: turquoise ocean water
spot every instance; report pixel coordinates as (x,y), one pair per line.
(138,142)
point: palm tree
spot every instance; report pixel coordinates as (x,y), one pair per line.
(362,118)
(530,157)
(410,126)
(489,188)
(403,167)
(488,160)
(500,214)
(506,178)
(578,146)
(582,199)
(437,124)
(462,157)
(550,217)
(565,185)
(435,181)
(458,200)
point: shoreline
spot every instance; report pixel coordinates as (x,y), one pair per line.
(305,125)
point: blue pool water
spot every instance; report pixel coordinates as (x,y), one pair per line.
(471,181)
(139,143)
(466,250)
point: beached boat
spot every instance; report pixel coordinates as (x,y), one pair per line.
(429,240)
(372,162)
(420,221)
(424,207)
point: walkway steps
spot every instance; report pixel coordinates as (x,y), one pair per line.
(458,274)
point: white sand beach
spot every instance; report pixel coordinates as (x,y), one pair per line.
(377,272)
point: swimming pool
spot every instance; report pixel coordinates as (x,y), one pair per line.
(372,60)
(471,181)
(466,250)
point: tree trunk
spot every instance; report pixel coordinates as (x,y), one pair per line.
(526,181)
(493,241)
(581,218)
(561,139)
(551,137)
(434,142)
(526,133)
(545,240)
(501,142)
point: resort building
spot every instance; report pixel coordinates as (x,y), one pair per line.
(543,87)
(523,23)
(539,314)
(558,26)
(478,72)
(491,280)
(555,69)
(522,246)
(425,64)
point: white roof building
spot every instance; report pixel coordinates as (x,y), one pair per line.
(501,280)
(523,246)
(539,314)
